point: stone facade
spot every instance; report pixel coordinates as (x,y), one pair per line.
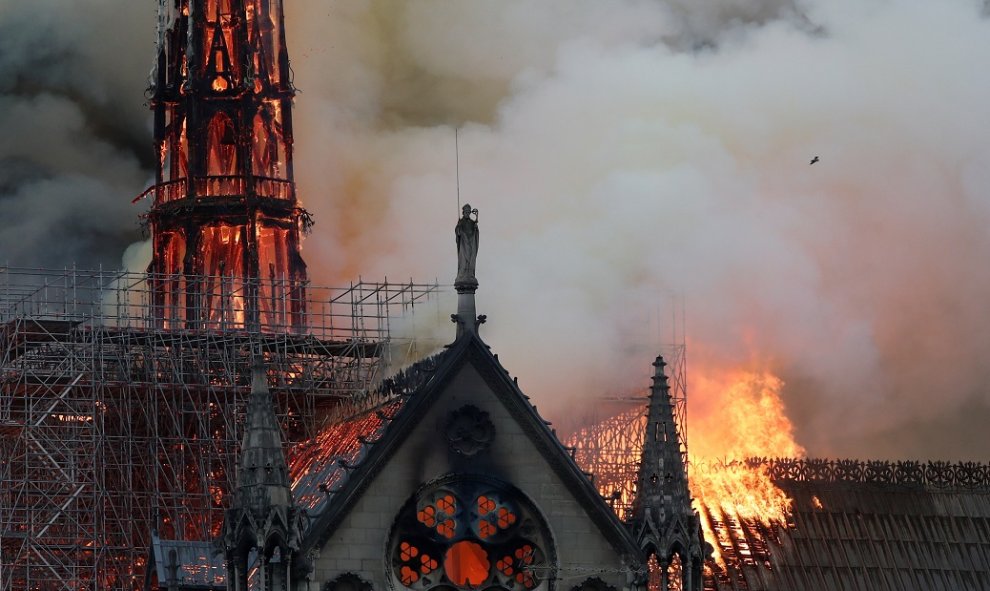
(359,544)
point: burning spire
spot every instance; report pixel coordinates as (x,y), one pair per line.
(225,221)
(664,523)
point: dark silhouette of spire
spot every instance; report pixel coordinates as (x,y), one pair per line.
(262,472)
(263,523)
(663,520)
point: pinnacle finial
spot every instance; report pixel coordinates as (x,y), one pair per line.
(662,485)
(663,519)
(659,373)
(262,458)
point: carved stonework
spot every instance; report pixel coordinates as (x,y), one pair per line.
(466,235)
(347,582)
(469,430)
(937,475)
(470,532)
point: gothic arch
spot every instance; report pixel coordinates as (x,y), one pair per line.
(221,146)
(268,145)
(667,574)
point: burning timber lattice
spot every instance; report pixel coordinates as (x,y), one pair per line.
(113,425)
(609,447)
(747,544)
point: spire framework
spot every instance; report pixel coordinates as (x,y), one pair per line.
(225,222)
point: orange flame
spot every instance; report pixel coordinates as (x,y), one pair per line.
(741,416)
(735,414)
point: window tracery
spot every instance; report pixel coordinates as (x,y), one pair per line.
(469,431)
(470,533)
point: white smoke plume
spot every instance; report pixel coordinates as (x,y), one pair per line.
(618,150)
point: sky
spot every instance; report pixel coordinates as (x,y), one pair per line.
(623,155)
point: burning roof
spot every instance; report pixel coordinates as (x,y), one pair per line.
(319,467)
(862,525)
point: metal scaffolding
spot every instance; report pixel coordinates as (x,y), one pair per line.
(609,447)
(114,425)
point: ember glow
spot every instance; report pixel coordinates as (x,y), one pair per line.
(735,414)
(224,203)
(740,415)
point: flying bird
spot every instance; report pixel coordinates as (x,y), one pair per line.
(813,160)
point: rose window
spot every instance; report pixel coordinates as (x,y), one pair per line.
(469,534)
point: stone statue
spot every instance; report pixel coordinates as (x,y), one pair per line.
(466,234)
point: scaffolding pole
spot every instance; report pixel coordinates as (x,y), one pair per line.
(116,420)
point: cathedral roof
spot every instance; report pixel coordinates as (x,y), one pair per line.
(319,466)
(864,525)
(330,480)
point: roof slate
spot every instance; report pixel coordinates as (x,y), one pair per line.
(319,466)
(855,527)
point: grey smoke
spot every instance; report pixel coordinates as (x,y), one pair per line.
(618,150)
(75,145)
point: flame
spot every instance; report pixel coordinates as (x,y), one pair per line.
(735,414)
(741,416)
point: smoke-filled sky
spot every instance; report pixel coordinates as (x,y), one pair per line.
(619,151)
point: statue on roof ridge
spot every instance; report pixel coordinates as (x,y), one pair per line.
(466,235)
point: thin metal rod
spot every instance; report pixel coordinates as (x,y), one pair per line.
(457,161)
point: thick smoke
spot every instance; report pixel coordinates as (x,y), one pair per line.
(619,151)
(75,145)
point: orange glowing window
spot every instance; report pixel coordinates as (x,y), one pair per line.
(446,504)
(428,564)
(466,564)
(485,505)
(504,566)
(468,534)
(486,530)
(525,554)
(428,516)
(526,579)
(505,518)
(408,576)
(447,529)
(222,145)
